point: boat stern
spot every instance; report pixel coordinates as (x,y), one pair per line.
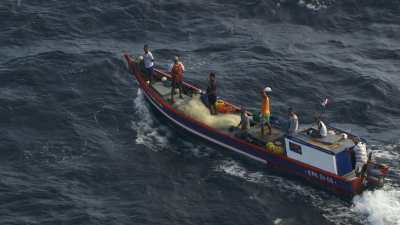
(376,174)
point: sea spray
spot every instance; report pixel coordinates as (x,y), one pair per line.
(381,207)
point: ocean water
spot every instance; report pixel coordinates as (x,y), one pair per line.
(79,145)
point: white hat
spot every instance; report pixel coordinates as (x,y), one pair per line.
(267,89)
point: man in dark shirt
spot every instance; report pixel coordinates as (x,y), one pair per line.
(212,94)
(244,124)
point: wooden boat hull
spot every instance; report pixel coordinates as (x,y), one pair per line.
(339,184)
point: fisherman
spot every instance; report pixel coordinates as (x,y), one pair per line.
(141,63)
(176,69)
(148,60)
(361,155)
(212,94)
(321,130)
(244,124)
(293,122)
(265,111)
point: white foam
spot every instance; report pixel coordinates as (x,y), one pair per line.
(381,207)
(315,4)
(387,152)
(291,188)
(233,168)
(313,7)
(149,134)
(301,2)
(277,221)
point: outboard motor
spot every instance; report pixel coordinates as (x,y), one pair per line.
(375,172)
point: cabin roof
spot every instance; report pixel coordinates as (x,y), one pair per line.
(333,143)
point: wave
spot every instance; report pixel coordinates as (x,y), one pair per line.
(195,149)
(315,4)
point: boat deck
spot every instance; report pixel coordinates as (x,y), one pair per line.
(333,142)
(164,89)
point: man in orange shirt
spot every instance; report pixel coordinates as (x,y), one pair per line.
(176,69)
(265,111)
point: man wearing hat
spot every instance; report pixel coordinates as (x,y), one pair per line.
(265,111)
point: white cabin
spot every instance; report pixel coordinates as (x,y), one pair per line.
(327,153)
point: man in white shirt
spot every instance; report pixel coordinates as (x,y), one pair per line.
(293,122)
(321,130)
(148,61)
(361,155)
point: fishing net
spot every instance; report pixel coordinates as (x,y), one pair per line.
(198,111)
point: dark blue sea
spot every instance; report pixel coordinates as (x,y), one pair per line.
(79,145)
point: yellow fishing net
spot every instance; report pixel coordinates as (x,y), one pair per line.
(198,111)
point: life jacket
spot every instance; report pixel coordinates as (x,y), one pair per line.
(265,110)
(177,72)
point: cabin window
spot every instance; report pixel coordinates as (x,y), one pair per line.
(295,148)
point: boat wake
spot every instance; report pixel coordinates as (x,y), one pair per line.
(235,169)
(386,152)
(382,207)
(389,154)
(148,132)
(373,207)
(379,207)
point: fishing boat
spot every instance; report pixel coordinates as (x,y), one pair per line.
(327,162)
